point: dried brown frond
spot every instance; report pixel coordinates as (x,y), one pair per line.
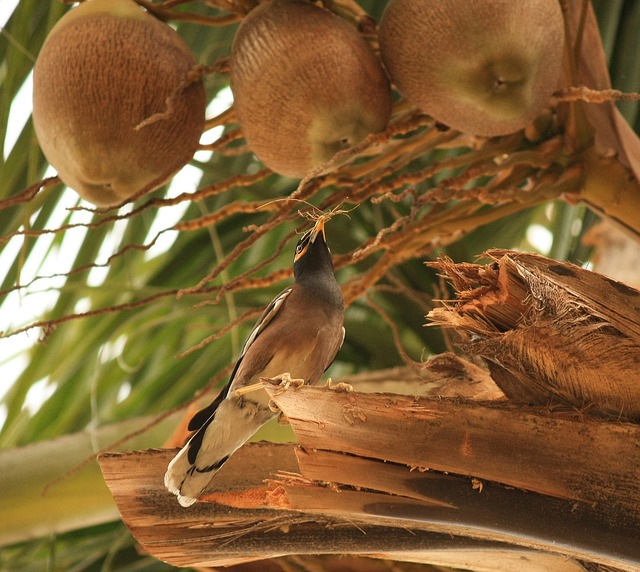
(584,93)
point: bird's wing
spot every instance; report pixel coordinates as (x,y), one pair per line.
(270,312)
(338,347)
(335,353)
(202,416)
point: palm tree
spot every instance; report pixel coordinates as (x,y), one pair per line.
(113,320)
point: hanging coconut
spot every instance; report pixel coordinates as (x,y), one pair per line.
(114,108)
(305,84)
(486,67)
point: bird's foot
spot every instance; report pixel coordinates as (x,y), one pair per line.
(282,383)
(340,387)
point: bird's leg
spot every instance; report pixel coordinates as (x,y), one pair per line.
(339,387)
(249,389)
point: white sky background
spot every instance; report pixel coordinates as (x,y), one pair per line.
(9,365)
(21,308)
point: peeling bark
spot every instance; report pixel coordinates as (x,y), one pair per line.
(551,332)
(392,476)
(495,529)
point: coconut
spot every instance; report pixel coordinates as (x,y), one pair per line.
(305,84)
(114,109)
(486,67)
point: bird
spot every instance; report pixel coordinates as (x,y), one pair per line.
(298,334)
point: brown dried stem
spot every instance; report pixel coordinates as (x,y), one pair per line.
(584,93)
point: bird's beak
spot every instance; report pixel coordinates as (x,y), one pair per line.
(317,229)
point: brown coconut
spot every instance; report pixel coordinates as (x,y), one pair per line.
(484,67)
(113,107)
(305,84)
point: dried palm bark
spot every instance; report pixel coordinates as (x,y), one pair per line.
(505,485)
(263,519)
(551,332)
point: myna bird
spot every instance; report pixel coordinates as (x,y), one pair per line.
(299,333)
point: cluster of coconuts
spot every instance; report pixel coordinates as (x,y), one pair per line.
(306,84)
(484,67)
(116,113)
(114,107)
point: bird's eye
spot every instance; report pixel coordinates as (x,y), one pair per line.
(299,249)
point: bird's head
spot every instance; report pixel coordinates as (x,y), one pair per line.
(312,251)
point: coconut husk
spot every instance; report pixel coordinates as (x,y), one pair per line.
(551,332)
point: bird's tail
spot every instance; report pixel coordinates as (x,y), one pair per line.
(226,430)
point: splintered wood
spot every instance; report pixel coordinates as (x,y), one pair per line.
(551,332)
(420,479)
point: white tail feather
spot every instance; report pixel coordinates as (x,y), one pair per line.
(233,424)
